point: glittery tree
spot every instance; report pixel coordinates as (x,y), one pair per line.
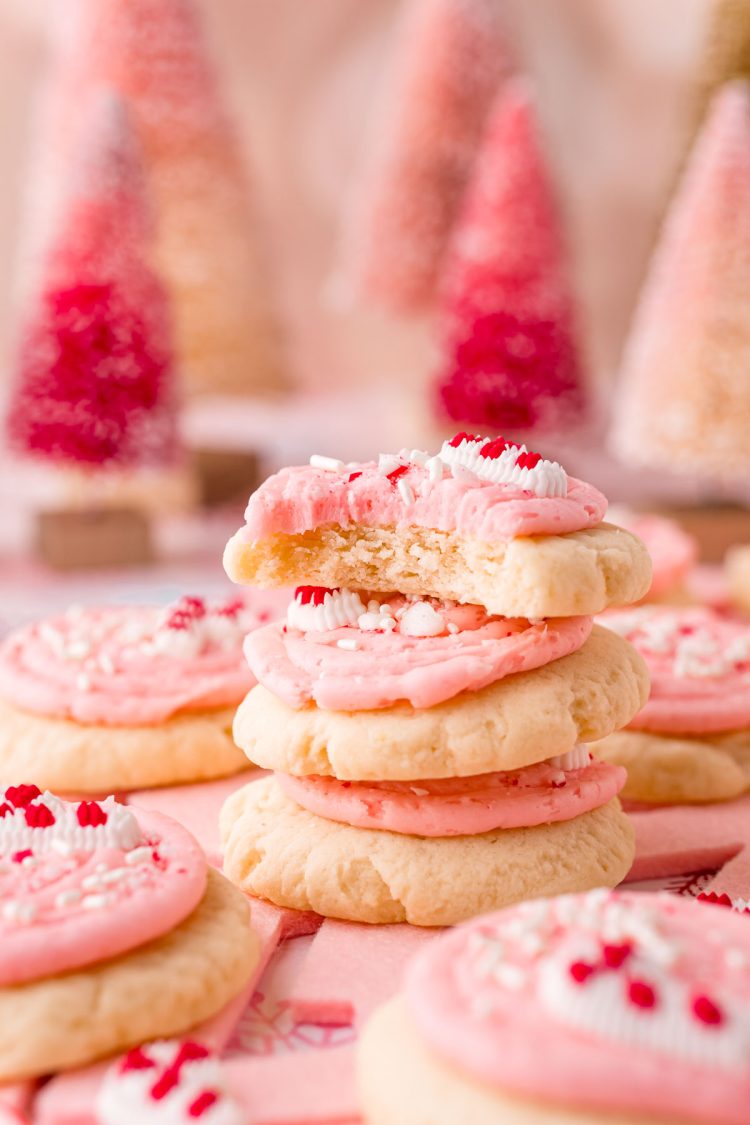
(685,392)
(94,388)
(154,53)
(506,317)
(449,58)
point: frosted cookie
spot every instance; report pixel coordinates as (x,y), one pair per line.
(167,1081)
(608,1006)
(112,931)
(483,522)
(673,552)
(518,720)
(99,700)
(275,849)
(691,741)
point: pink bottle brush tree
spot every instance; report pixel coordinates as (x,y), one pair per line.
(684,398)
(94,387)
(506,319)
(449,58)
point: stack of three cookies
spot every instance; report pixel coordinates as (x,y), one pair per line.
(429,744)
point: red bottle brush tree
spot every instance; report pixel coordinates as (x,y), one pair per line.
(506,317)
(684,401)
(449,58)
(94,384)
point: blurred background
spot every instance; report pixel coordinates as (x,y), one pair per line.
(237,232)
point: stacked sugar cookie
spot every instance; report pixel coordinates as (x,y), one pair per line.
(113,931)
(691,742)
(110,699)
(426,703)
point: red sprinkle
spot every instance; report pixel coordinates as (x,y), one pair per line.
(136,1059)
(494,448)
(22,795)
(528,460)
(397,474)
(231,608)
(165,1083)
(641,994)
(707,1012)
(581,971)
(616,955)
(179,620)
(6,809)
(353,476)
(39,816)
(204,1101)
(313,595)
(463,436)
(196,607)
(190,1051)
(90,813)
(19,857)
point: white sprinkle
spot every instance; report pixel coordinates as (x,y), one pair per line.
(435,468)
(78,650)
(452,627)
(349,645)
(96,902)
(83,682)
(328,464)
(419,792)
(18,911)
(92,883)
(421,620)
(419,457)
(106,664)
(460,472)
(510,976)
(138,855)
(405,491)
(388,463)
(67,898)
(29,861)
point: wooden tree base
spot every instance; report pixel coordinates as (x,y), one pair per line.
(92,538)
(226,476)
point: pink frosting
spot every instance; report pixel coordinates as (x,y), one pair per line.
(606,1002)
(303,498)
(353,669)
(133,665)
(467,806)
(72,893)
(673,552)
(699,663)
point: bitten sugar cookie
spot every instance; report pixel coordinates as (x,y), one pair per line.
(277,850)
(112,931)
(518,720)
(484,522)
(691,741)
(98,700)
(607,1006)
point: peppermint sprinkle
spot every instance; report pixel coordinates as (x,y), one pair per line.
(405,492)
(328,464)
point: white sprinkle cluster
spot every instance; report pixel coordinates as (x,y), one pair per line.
(337,609)
(698,651)
(546,478)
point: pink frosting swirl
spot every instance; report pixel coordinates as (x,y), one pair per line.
(361,667)
(91,881)
(304,498)
(133,665)
(699,663)
(461,806)
(607,1002)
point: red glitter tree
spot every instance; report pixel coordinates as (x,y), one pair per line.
(449,59)
(507,319)
(94,385)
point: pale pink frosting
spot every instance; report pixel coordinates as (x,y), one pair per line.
(73,896)
(699,663)
(466,806)
(673,552)
(354,669)
(133,665)
(607,1002)
(304,498)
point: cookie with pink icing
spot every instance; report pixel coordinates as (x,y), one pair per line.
(86,881)
(484,521)
(691,742)
(346,650)
(612,1003)
(673,551)
(114,698)
(112,930)
(167,1083)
